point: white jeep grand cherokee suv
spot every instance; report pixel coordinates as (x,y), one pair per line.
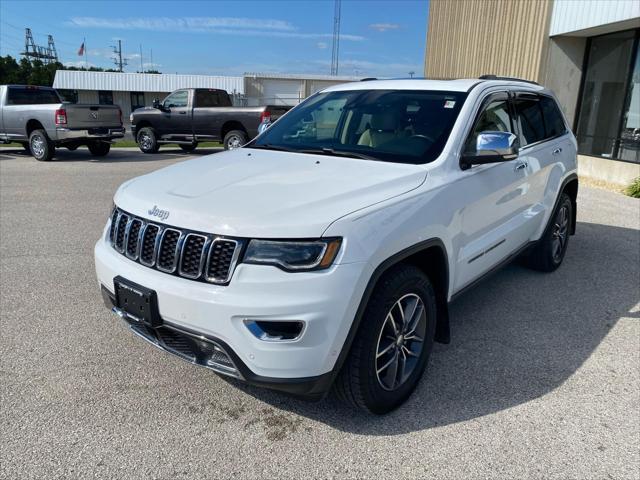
(325,252)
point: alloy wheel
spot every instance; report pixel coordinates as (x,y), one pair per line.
(560,232)
(400,342)
(37,146)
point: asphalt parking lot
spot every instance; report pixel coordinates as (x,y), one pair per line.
(541,380)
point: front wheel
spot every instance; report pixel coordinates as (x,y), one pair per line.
(41,147)
(393,343)
(99,149)
(547,255)
(147,140)
(234,139)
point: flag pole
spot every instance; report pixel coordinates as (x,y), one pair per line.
(86,55)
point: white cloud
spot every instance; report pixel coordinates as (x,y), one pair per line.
(383,27)
(213,25)
(321,45)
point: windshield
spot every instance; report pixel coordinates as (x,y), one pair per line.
(403,126)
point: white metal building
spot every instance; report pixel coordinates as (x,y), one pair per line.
(134,90)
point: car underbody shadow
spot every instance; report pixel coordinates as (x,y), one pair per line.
(515,337)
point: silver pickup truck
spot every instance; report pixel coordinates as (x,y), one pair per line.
(37,118)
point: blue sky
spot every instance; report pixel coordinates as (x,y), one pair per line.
(378,37)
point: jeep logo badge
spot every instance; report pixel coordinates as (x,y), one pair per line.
(161,214)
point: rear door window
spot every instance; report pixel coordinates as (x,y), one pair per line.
(529,113)
(553,121)
(207,98)
(31,96)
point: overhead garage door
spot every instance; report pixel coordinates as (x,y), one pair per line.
(282,92)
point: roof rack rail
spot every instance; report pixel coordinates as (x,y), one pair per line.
(496,77)
(366,79)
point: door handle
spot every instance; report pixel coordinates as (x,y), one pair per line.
(557,151)
(521,166)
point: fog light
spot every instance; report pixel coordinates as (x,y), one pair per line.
(274,331)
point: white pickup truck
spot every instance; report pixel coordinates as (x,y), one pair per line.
(326,251)
(37,118)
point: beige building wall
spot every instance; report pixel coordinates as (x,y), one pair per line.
(469,38)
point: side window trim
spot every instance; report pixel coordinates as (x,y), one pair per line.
(538,97)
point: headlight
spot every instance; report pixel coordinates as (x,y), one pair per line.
(293,255)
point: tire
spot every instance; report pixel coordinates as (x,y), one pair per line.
(549,251)
(359,383)
(147,140)
(99,149)
(234,139)
(40,146)
(188,148)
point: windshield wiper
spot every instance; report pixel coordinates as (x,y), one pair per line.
(270,146)
(338,153)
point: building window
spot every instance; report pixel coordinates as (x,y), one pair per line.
(105,97)
(609,122)
(137,100)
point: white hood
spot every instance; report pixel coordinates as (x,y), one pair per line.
(265,193)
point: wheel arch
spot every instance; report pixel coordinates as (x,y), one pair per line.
(432,258)
(32,125)
(232,125)
(143,124)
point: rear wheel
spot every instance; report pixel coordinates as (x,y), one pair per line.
(548,253)
(147,140)
(392,346)
(188,148)
(99,149)
(41,147)
(234,139)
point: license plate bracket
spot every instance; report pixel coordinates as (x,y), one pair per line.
(138,302)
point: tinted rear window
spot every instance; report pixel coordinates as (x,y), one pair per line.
(553,121)
(530,118)
(211,98)
(31,96)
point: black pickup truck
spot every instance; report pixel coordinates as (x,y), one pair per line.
(191,115)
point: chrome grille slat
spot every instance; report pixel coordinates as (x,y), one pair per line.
(193,255)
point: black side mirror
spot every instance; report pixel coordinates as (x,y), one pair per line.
(491,147)
(156,103)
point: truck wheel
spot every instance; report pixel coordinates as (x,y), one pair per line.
(147,141)
(393,343)
(548,253)
(99,149)
(41,147)
(234,139)
(188,148)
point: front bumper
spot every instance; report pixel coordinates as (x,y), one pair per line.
(325,301)
(63,134)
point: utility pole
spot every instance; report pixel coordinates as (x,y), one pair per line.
(117,59)
(336,38)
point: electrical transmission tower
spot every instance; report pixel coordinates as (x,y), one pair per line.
(33,52)
(117,59)
(336,38)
